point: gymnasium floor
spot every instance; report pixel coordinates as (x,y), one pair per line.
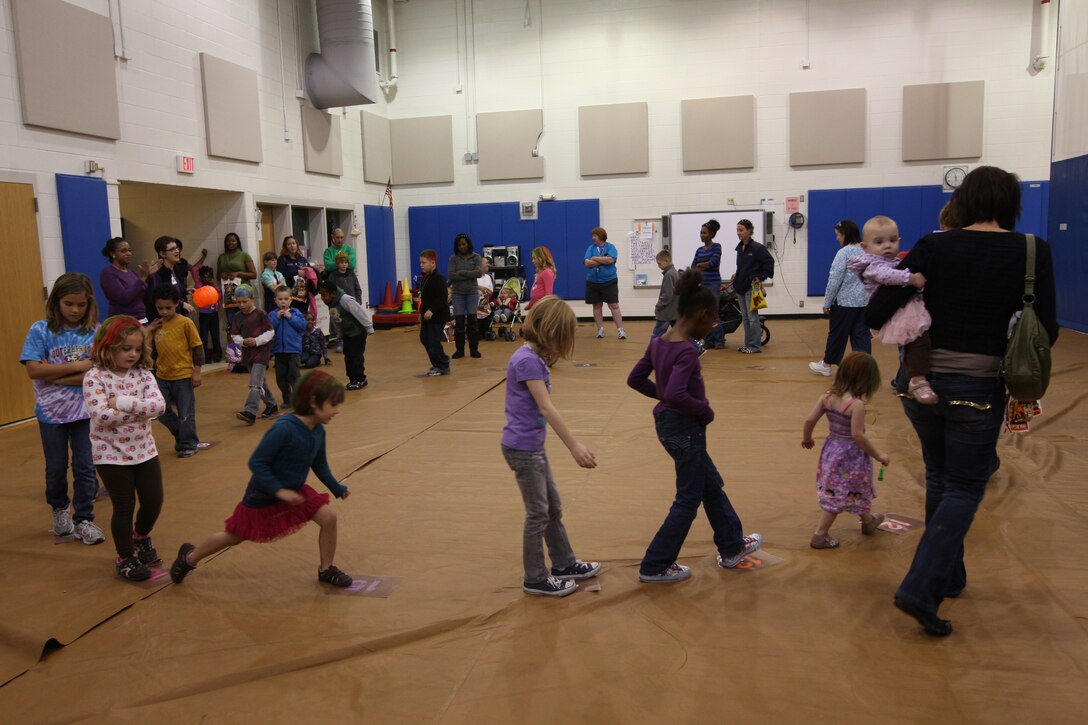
(252,636)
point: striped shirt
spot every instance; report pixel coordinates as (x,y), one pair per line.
(712,276)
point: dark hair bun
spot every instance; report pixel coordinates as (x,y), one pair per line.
(713,226)
(689,281)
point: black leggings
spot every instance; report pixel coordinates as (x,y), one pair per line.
(126,484)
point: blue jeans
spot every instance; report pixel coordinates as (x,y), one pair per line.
(716,336)
(56,438)
(661,327)
(182,424)
(753,329)
(697,482)
(959,445)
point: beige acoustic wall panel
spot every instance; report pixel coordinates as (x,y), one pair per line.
(505,141)
(321,145)
(67,73)
(232,113)
(718,133)
(943,121)
(422,149)
(827,127)
(377,149)
(614,139)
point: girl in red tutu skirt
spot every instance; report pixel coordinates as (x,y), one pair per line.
(277,501)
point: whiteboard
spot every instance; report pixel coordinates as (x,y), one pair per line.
(684,235)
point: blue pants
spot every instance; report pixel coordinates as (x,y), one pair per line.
(182,423)
(697,482)
(661,327)
(56,439)
(846,323)
(958,447)
(753,328)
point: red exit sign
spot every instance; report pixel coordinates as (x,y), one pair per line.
(186,164)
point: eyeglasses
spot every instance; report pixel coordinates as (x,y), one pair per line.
(171,249)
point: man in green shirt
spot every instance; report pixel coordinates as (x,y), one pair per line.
(336,245)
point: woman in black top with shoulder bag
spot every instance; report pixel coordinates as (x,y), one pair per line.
(974,285)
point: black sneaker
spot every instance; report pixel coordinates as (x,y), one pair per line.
(578,570)
(550,587)
(130,568)
(181,565)
(270,411)
(334,576)
(476,354)
(145,551)
(187,452)
(245,415)
(356,385)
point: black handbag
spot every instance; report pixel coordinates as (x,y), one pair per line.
(1026,365)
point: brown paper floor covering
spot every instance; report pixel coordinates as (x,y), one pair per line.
(251,635)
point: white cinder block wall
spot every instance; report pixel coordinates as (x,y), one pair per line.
(572,53)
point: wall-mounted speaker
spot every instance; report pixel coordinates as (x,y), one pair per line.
(665,227)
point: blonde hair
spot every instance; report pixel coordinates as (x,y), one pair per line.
(71,283)
(549,326)
(664,256)
(876,222)
(542,256)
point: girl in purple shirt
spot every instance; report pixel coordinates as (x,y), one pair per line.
(549,336)
(681,417)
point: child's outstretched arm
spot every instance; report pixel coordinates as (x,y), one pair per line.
(811,421)
(857,430)
(320,467)
(582,455)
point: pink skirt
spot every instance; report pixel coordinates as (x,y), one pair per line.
(907,324)
(281,519)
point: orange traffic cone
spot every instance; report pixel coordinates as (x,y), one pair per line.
(387,298)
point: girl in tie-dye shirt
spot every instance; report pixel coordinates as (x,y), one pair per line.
(57,353)
(123,398)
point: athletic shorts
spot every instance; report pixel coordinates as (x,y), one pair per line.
(607,292)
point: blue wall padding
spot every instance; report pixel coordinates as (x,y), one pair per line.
(84,228)
(562,226)
(914,209)
(381,253)
(1069,206)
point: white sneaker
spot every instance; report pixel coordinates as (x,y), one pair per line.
(88,533)
(621,334)
(600,333)
(62,522)
(820,368)
(674,573)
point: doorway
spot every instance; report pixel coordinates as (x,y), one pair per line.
(25,296)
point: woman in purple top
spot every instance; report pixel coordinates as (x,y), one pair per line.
(125,288)
(681,418)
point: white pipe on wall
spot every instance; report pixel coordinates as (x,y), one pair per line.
(391,83)
(1043,41)
(344,73)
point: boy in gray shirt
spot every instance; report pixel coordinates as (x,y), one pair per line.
(666,309)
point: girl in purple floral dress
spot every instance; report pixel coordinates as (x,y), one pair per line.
(844,479)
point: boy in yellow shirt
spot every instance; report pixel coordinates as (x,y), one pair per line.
(177,369)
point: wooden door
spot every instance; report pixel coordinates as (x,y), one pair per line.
(268,235)
(24,300)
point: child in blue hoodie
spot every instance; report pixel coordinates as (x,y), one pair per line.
(288,324)
(277,501)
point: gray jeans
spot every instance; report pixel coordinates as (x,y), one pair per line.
(258,389)
(543,514)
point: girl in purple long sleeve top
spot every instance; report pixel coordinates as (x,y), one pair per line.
(681,417)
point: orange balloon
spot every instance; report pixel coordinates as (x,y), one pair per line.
(205,296)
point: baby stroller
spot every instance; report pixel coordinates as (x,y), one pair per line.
(505,317)
(730,314)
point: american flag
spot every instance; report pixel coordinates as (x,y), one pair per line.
(389,191)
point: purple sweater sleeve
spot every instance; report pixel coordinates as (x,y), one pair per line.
(639,379)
